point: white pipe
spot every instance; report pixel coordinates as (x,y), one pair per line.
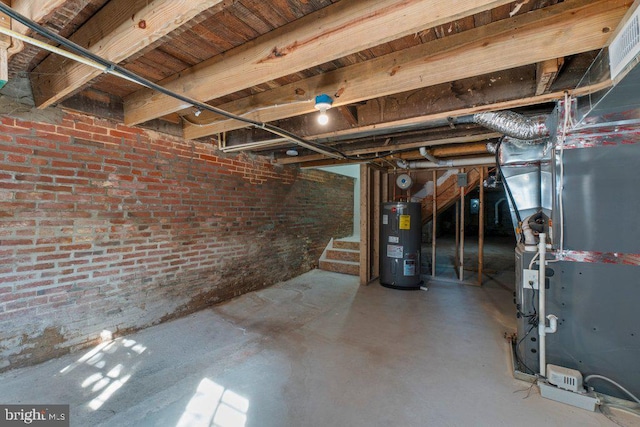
(542,250)
(497,210)
(553,324)
(426,155)
(476,161)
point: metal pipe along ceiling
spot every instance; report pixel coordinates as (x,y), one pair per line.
(475,161)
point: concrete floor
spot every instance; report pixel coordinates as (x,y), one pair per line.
(318,350)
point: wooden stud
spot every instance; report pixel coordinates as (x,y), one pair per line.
(481,227)
(385,187)
(4,67)
(377,192)
(456,257)
(461,257)
(434,220)
(364,224)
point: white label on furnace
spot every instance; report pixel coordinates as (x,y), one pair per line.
(394,239)
(385,219)
(394,251)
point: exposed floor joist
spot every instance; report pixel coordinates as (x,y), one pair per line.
(319,37)
(36,10)
(118,31)
(565,29)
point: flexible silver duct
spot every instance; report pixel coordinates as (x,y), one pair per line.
(513,124)
(491,147)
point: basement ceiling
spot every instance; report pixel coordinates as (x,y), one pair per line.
(402,73)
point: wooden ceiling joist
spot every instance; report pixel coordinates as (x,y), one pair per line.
(546,74)
(36,10)
(333,32)
(121,29)
(565,29)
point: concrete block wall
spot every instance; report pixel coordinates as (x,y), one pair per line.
(109,227)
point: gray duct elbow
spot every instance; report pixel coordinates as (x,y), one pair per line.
(513,124)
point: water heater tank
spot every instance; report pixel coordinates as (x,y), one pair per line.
(400,240)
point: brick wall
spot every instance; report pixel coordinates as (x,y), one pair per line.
(104,226)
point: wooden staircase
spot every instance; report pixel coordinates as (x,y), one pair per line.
(448,193)
(341,256)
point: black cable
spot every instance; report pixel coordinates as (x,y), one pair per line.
(112,66)
(518,358)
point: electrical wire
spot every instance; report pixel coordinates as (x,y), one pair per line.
(246,113)
(533,260)
(600,377)
(89,58)
(113,68)
(532,320)
(518,358)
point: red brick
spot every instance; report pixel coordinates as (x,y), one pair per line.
(37,142)
(91,128)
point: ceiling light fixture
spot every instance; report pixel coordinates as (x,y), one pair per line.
(292,152)
(323,103)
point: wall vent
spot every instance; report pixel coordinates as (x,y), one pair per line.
(625,46)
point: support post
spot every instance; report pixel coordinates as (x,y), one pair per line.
(481,228)
(365,220)
(456,261)
(377,191)
(461,231)
(434,218)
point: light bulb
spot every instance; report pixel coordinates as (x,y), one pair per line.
(323,119)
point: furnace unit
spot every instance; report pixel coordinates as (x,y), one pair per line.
(400,240)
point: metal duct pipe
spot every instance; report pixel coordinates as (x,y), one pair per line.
(492,147)
(512,124)
(475,161)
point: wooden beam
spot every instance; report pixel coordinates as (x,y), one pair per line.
(434,221)
(376,189)
(309,41)
(546,74)
(121,29)
(556,31)
(462,206)
(481,227)
(5,43)
(36,10)
(5,21)
(350,114)
(4,67)
(364,224)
